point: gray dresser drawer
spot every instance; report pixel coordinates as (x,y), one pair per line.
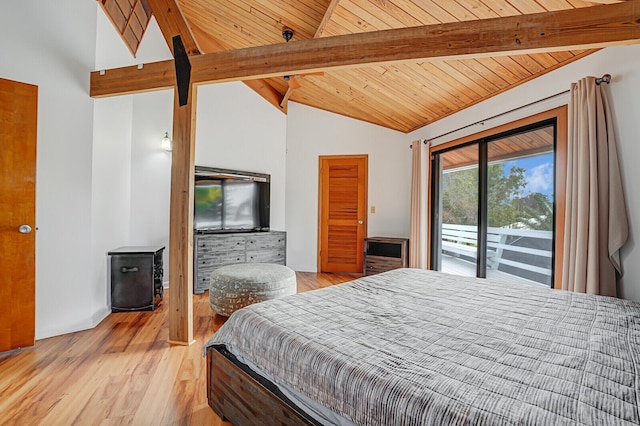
(212,251)
(218,259)
(265,257)
(201,282)
(266,242)
(220,244)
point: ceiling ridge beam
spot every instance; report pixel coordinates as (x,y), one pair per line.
(591,27)
(172,22)
(267,92)
(326,18)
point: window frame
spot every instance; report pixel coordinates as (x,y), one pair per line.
(560,114)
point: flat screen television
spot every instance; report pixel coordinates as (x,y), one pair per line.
(231,200)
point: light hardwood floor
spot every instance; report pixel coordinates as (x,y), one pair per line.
(123,372)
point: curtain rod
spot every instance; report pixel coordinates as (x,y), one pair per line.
(604,79)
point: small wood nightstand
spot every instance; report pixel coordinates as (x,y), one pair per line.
(384,254)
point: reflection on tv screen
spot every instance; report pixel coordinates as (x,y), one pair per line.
(207,205)
(239,199)
(231,204)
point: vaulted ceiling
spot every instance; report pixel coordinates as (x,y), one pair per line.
(402,96)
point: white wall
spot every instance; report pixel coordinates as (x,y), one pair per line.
(43,44)
(83,171)
(312,133)
(111,52)
(237,129)
(623,63)
(125,148)
(151,172)
(102,183)
(111,192)
(111,175)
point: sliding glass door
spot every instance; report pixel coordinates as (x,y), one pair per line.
(455,215)
(493,206)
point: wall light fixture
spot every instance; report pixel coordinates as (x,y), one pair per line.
(166,142)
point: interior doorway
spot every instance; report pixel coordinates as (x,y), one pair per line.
(342,214)
(18,130)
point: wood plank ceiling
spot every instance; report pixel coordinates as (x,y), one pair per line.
(534,142)
(403,96)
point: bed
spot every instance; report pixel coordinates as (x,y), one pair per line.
(413,347)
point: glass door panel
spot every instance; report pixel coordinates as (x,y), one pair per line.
(520,206)
(455,211)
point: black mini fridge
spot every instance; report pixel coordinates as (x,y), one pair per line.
(136,278)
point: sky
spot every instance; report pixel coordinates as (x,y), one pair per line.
(539,173)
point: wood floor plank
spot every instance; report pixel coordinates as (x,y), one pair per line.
(122,372)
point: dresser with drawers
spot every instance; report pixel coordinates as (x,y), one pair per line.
(211,251)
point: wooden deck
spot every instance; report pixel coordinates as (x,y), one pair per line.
(457,266)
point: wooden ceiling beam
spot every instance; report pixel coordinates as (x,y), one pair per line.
(156,75)
(591,27)
(268,92)
(326,18)
(133,79)
(597,26)
(172,23)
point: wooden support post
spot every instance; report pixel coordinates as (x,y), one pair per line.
(181,222)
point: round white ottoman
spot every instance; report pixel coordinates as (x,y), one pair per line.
(235,286)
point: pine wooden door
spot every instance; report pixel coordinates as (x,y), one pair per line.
(343,213)
(18,128)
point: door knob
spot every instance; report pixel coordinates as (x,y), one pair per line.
(359,222)
(24,229)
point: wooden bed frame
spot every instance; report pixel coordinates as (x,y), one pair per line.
(242,397)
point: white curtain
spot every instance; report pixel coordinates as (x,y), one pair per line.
(419,197)
(596,225)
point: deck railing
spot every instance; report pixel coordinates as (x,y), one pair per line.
(525,249)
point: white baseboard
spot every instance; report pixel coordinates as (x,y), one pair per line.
(304,268)
(99,316)
(87,324)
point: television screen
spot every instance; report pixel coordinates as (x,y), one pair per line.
(230,203)
(207,197)
(240,205)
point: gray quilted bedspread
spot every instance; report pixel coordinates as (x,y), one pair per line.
(412,347)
